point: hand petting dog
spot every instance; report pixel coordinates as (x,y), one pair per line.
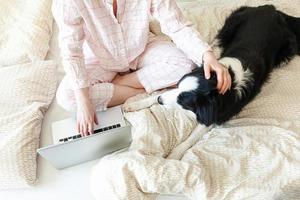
(212,64)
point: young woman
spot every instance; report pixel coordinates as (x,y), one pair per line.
(109,54)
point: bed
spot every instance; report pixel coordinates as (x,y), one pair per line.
(256,155)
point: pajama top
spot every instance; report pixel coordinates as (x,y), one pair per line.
(117,41)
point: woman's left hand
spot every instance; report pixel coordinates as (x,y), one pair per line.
(223,76)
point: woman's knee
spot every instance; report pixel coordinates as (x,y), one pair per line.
(178,61)
(65,96)
(186,66)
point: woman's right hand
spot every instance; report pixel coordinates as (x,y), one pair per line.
(86,115)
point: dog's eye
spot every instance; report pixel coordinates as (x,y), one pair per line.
(184,97)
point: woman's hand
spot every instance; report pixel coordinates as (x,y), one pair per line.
(86,115)
(211,64)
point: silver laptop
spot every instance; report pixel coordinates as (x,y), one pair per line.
(69,148)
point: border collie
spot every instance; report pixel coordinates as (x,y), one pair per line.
(252,42)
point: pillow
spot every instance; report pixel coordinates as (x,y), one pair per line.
(25,94)
(25,30)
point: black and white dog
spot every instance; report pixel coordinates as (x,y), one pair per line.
(253,41)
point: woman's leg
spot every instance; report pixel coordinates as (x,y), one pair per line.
(102,95)
(129,80)
(122,93)
(161,65)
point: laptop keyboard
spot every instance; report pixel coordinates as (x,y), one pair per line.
(95,131)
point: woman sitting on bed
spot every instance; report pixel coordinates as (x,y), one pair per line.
(109,54)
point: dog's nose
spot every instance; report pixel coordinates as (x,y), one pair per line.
(159,100)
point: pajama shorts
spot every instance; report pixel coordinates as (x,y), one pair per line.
(161,65)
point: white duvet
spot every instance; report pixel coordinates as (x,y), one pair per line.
(256,155)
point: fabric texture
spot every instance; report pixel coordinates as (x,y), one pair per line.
(255,155)
(26,92)
(114,43)
(25,30)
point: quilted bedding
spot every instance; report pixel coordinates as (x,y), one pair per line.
(27,87)
(256,155)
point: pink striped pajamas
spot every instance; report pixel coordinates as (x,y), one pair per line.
(96,45)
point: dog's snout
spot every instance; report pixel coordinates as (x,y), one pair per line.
(159,100)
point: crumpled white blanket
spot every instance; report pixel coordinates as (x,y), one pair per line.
(256,155)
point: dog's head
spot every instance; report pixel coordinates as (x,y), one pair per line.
(195,93)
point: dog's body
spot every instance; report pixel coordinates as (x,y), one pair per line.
(253,41)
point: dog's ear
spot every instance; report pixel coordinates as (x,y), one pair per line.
(187,100)
(206,109)
(294,26)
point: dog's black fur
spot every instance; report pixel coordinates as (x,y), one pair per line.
(261,38)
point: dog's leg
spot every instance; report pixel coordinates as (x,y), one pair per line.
(193,138)
(226,34)
(294,25)
(141,104)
